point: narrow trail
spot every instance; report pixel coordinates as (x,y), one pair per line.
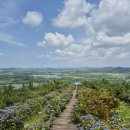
(64,122)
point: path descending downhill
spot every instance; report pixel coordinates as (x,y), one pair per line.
(64,122)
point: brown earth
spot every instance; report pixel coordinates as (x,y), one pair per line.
(64,122)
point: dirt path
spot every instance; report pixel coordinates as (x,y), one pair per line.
(64,121)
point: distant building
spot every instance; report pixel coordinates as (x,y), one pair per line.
(77,83)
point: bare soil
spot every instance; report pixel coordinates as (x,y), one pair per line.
(64,122)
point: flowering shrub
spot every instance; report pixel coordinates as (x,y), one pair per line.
(54,103)
(48,107)
(10,122)
(96,109)
(28,109)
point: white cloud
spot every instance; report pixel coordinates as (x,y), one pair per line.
(109,52)
(74,52)
(85,51)
(44,56)
(8,10)
(105,40)
(109,24)
(6,22)
(73,15)
(56,40)
(107,31)
(9,39)
(124,55)
(41,44)
(112,17)
(33,18)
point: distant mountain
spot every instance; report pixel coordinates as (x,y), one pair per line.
(105,69)
(85,69)
(112,69)
(121,69)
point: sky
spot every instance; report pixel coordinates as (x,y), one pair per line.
(64,33)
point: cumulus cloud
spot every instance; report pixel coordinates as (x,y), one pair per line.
(112,17)
(73,52)
(73,15)
(109,41)
(56,40)
(124,55)
(33,18)
(107,31)
(85,52)
(10,40)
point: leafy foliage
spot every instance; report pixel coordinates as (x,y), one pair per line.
(46,106)
(100,108)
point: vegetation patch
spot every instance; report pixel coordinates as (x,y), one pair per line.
(99,108)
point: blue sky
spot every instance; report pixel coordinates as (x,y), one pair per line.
(64,33)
